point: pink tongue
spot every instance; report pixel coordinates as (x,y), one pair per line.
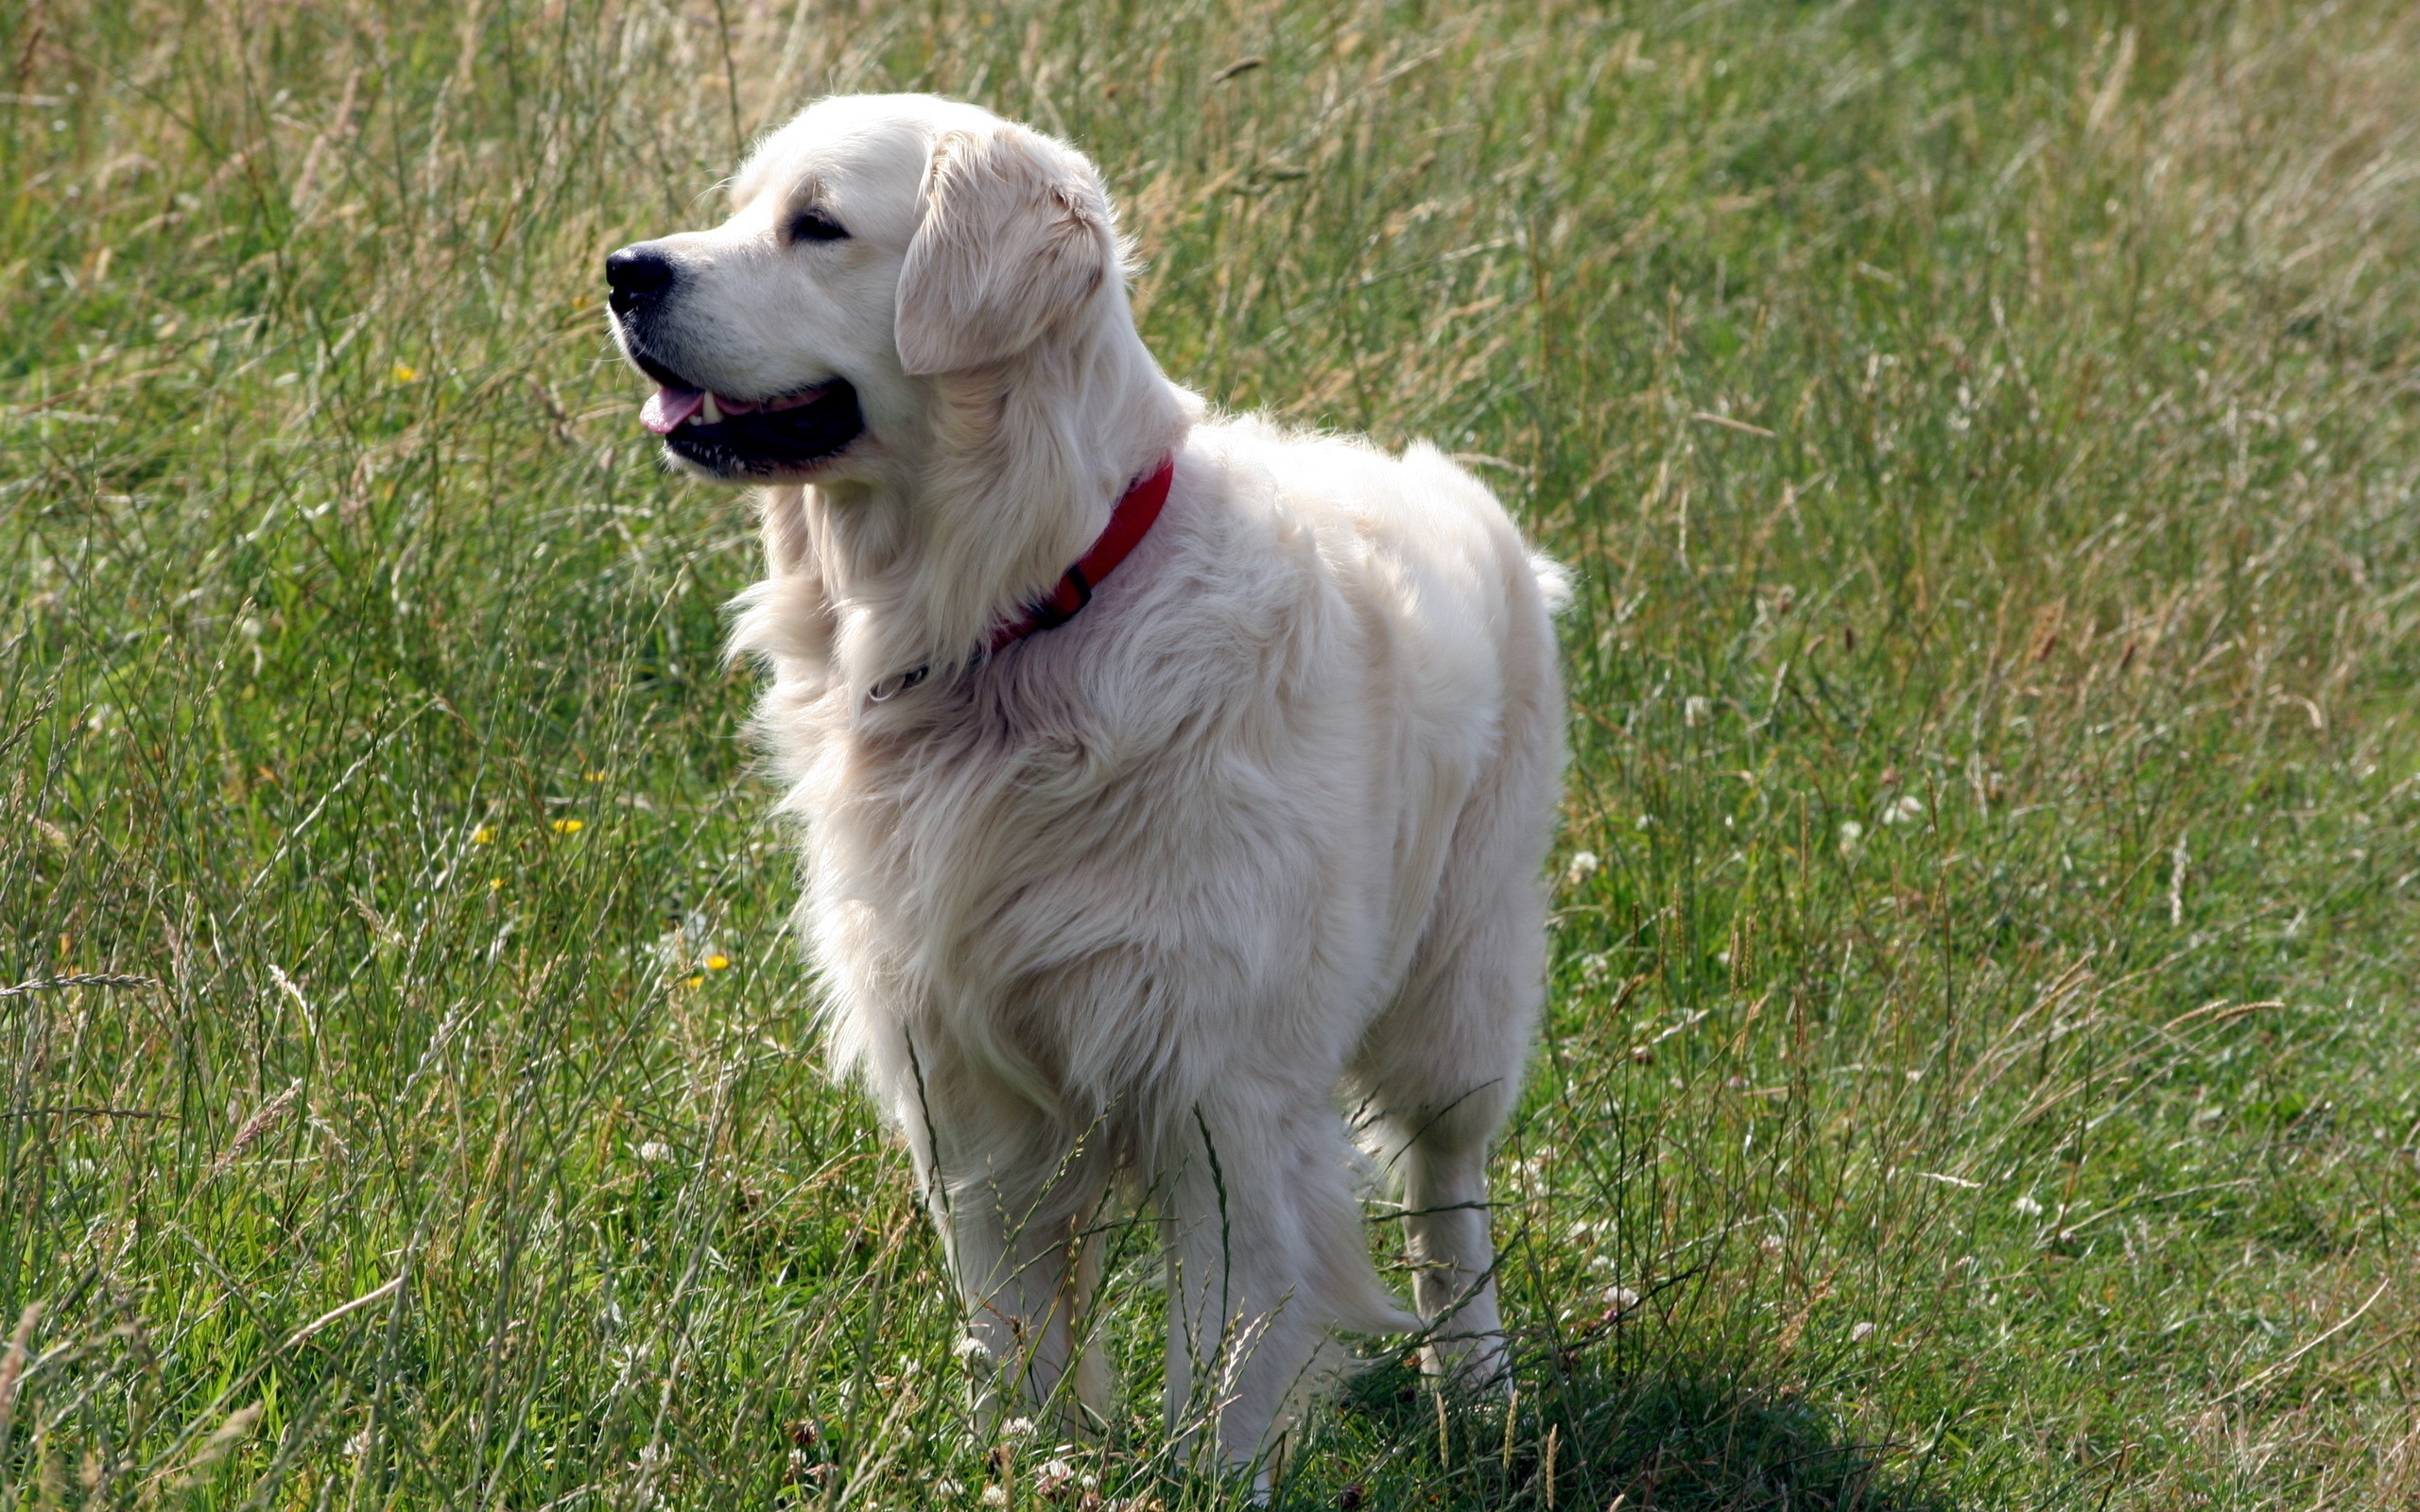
(668,407)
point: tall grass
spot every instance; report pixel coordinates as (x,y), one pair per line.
(1981,1065)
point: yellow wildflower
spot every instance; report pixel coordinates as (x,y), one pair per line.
(484,834)
(570,826)
(403,373)
(718,961)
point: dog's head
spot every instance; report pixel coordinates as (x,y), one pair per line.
(875,241)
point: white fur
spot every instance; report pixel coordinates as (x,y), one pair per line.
(1127,908)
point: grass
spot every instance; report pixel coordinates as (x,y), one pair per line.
(1980,1070)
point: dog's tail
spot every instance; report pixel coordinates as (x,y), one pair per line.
(1554,581)
(1344,1288)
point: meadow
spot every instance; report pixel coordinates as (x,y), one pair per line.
(1980,1070)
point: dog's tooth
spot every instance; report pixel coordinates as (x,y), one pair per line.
(713,412)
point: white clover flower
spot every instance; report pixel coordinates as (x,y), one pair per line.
(1858,1335)
(1584,865)
(655,1151)
(1908,809)
(2029,1208)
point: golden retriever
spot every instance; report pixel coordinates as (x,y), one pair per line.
(1122,883)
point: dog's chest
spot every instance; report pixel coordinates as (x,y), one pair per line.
(1000,854)
(969,826)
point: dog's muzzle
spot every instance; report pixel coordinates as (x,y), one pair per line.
(767,437)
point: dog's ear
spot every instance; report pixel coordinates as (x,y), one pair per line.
(1016,233)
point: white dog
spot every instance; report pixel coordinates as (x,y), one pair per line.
(1119,875)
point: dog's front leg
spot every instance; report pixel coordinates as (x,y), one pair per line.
(1021,1275)
(1016,1229)
(1265,1255)
(1010,1279)
(1012,1198)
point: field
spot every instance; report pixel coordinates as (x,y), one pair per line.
(1981,1063)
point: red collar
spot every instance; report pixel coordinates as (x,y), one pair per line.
(1137,509)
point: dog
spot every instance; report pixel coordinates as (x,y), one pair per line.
(1172,784)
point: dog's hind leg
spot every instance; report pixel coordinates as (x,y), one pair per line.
(1442,1068)
(1442,1065)
(1453,1257)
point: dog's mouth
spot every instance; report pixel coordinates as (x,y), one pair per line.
(764,437)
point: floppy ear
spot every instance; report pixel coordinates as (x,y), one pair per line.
(1015,235)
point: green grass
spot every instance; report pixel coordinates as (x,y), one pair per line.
(1988,436)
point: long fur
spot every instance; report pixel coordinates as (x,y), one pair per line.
(1127,911)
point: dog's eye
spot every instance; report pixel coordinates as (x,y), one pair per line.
(815,226)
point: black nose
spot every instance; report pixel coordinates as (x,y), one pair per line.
(635,275)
